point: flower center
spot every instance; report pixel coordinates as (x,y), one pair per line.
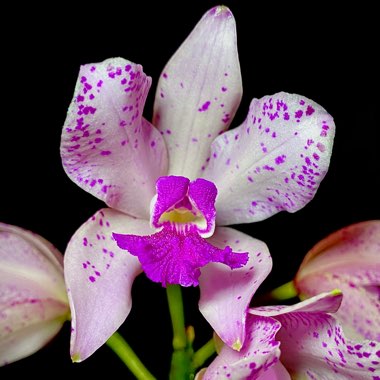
(184,206)
(184,214)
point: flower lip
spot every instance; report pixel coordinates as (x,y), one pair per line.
(184,205)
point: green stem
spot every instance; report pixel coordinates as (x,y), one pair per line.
(175,302)
(284,292)
(202,354)
(180,364)
(123,350)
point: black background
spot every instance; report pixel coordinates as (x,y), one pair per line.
(324,55)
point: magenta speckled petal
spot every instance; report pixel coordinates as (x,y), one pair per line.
(33,300)
(170,257)
(348,259)
(327,302)
(274,161)
(313,346)
(225,293)
(99,277)
(260,352)
(107,148)
(275,372)
(199,92)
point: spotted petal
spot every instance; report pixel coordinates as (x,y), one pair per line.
(348,259)
(314,346)
(260,352)
(226,293)
(274,161)
(275,372)
(199,91)
(33,300)
(107,148)
(99,278)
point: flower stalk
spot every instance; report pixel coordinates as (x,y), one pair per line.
(182,350)
(124,351)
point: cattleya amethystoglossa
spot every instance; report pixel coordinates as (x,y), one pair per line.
(301,341)
(348,259)
(177,182)
(33,299)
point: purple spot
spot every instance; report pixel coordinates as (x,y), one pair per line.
(165,75)
(269,168)
(88,109)
(280,159)
(298,114)
(105,152)
(224,89)
(226,118)
(309,111)
(321,147)
(92,278)
(205,106)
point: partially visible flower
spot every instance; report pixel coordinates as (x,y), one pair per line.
(33,300)
(302,341)
(196,177)
(349,260)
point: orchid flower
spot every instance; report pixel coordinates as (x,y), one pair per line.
(302,341)
(348,259)
(171,185)
(33,299)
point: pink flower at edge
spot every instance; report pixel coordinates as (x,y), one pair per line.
(302,341)
(349,260)
(273,162)
(33,299)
